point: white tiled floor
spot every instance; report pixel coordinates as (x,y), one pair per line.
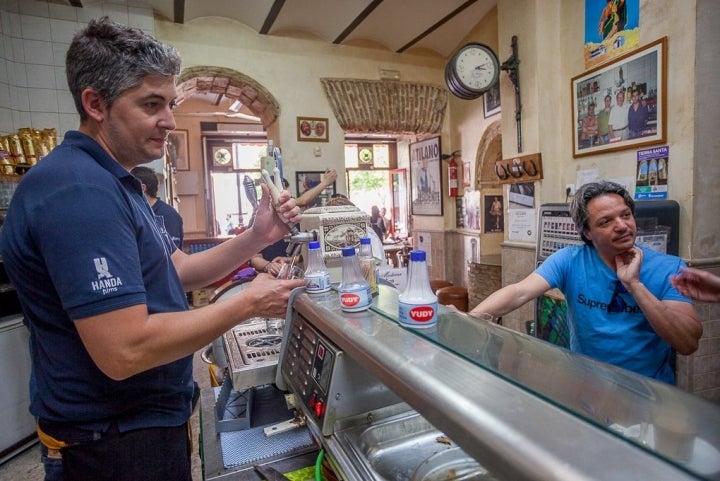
(27,467)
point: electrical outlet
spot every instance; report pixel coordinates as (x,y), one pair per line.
(570,189)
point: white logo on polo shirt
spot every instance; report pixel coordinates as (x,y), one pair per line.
(106,282)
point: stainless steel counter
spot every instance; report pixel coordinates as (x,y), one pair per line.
(524,409)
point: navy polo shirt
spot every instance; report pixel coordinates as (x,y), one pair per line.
(80,240)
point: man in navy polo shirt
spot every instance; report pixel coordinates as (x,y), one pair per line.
(103,289)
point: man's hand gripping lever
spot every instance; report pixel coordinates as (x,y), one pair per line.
(275,188)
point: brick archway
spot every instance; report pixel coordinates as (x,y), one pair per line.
(232,84)
(489,151)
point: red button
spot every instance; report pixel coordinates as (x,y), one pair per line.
(319,409)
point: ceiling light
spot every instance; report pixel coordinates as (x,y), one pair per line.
(236,106)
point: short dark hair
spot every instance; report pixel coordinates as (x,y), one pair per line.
(149,179)
(586,193)
(111,58)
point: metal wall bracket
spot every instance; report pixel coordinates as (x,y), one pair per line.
(511,66)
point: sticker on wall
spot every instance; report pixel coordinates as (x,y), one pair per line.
(651,181)
(521,225)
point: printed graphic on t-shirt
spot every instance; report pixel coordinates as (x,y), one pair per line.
(106,282)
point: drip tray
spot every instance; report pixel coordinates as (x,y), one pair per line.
(406,447)
(252,354)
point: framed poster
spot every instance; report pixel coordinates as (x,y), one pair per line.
(491,101)
(177,149)
(494,221)
(305,181)
(426,181)
(621,104)
(312,129)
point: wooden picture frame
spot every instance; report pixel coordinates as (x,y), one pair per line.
(178,150)
(426,177)
(491,101)
(312,129)
(306,180)
(641,73)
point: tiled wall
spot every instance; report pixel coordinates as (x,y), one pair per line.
(34,37)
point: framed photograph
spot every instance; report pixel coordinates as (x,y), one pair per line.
(312,129)
(305,181)
(177,149)
(426,179)
(621,104)
(494,221)
(491,101)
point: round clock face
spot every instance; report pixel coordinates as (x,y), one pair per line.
(222,156)
(472,71)
(365,154)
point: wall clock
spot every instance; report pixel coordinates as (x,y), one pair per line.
(472,71)
(222,156)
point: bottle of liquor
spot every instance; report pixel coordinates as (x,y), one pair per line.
(367,264)
(317,276)
(418,304)
(354,290)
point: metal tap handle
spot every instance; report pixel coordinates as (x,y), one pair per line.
(251,194)
(275,194)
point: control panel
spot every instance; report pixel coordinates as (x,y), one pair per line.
(329,385)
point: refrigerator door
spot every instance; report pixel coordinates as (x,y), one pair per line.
(18,425)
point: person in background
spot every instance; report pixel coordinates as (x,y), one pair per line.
(701,286)
(112,341)
(377,222)
(617,126)
(621,306)
(589,130)
(604,121)
(307,198)
(168,218)
(638,116)
(387,220)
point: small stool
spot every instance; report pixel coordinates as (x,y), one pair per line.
(455,295)
(436,284)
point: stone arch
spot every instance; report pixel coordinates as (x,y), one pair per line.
(488,152)
(232,84)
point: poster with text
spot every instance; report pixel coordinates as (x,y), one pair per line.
(425,177)
(651,181)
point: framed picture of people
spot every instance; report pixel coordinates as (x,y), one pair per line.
(425,175)
(621,104)
(312,129)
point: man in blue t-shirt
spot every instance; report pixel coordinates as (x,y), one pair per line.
(621,305)
(102,288)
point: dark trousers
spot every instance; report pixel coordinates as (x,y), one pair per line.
(150,454)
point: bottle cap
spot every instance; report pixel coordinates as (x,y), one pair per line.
(417,255)
(314,245)
(365,240)
(348,251)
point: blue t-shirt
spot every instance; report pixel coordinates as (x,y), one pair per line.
(81,240)
(625,339)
